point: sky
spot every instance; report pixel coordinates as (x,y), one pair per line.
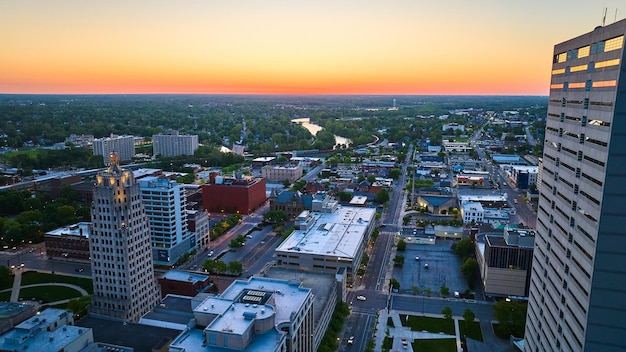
(393,47)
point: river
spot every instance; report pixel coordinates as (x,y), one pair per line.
(313,128)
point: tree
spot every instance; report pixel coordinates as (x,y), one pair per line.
(235,267)
(275,216)
(286,183)
(382,196)
(344,196)
(395,173)
(401,245)
(415,289)
(398,260)
(470,268)
(428,291)
(444,290)
(464,248)
(468,315)
(447,313)
(394,284)
(511,316)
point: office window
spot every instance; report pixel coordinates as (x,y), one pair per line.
(614,43)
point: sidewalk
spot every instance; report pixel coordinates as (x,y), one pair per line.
(400,333)
(17,283)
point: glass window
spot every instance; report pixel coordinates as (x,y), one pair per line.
(583,52)
(607,63)
(614,43)
(578,68)
(599,84)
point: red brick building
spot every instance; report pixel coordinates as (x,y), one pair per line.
(183,283)
(233,195)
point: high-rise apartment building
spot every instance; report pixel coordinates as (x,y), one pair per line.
(577,296)
(165,204)
(121,258)
(123,146)
(174,144)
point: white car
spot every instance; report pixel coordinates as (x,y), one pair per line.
(351,340)
(361,298)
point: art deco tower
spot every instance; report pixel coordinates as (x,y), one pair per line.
(577,296)
(121,251)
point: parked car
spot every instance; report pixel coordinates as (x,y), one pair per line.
(361,298)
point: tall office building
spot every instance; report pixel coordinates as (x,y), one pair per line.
(174,144)
(121,259)
(165,203)
(577,296)
(122,146)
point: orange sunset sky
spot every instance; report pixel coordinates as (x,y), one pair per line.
(288,46)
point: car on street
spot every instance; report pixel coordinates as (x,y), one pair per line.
(425,266)
(361,298)
(351,340)
(417,258)
(210,254)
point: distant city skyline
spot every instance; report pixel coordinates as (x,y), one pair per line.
(450,47)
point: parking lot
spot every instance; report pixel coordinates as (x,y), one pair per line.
(443,268)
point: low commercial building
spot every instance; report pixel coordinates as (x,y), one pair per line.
(183,283)
(328,239)
(280,173)
(505,262)
(12,313)
(50,330)
(472,212)
(69,242)
(523,176)
(233,195)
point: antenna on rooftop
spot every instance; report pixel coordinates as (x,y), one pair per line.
(615,17)
(604,16)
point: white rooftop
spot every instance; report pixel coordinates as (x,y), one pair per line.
(332,234)
(235,303)
(178,275)
(79,229)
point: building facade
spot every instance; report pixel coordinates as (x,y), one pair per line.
(165,202)
(506,261)
(278,173)
(123,146)
(69,242)
(576,298)
(233,195)
(124,286)
(169,145)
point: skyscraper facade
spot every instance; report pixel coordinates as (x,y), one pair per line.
(165,203)
(174,144)
(577,297)
(121,257)
(122,146)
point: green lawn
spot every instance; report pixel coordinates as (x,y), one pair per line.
(434,325)
(434,345)
(48,293)
(387,343)
(471,330)
(33,277)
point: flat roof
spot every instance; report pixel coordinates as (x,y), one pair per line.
(27,334)
(78,229)
(236,304)
(193,340)
(332,234)
(117,332)
(358,200)
(179,275)
(321,285)
(11,309)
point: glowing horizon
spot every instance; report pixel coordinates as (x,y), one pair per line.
(284,47)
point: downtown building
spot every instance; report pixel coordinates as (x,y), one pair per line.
(165,203)
(123,146)
(121,254)
(174,144)
(577,299)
